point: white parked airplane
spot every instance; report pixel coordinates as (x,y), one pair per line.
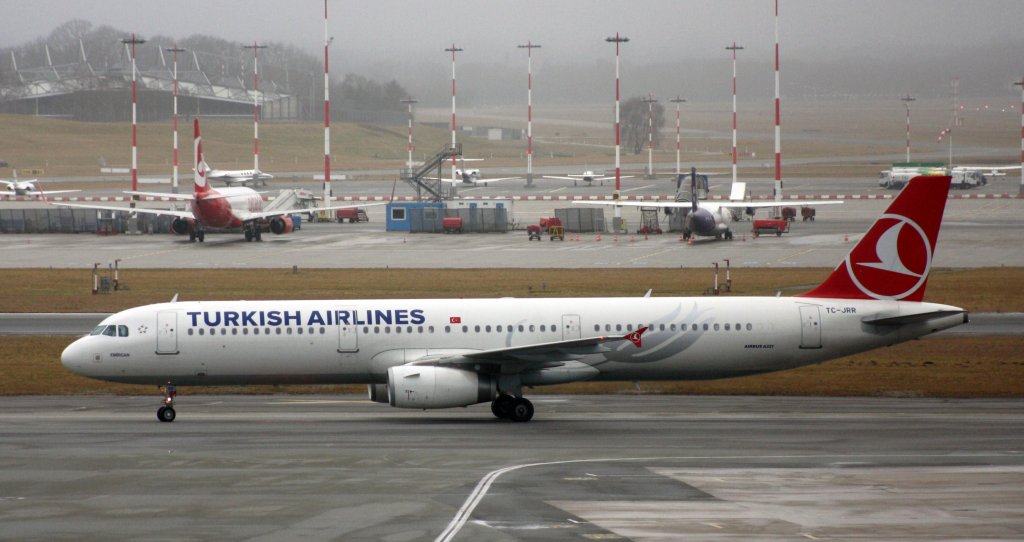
(237,207)
(588,177)
(28,187)
(708,218)
(231,177)
(444,353)
(472,177)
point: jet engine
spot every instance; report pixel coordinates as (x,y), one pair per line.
(282,224)
(181,226)
(426,386)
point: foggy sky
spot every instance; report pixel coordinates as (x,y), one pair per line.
(405,39)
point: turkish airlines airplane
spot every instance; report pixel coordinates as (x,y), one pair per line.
(445,353)
(709,218)
(224,208)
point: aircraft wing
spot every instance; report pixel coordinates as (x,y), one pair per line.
(727,204)
(181,197)
(563,178)
(479,181)
(268,214)
(159,212)
(516,358)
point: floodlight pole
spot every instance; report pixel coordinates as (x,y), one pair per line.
(133,41)
(530,46)
(906,103)
(174,55)
(453,49)
(327,115)
(734,48)
(617,40)
(255,103)
(1021,85)
(650,101)
(409,102)
(677,100)
(777,190)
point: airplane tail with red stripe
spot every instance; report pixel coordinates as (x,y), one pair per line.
(894,257)
(199,164)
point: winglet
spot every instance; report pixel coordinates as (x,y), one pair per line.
(893,258)
(634,337)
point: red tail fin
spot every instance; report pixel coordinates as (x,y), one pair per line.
(893,258)
(198,164)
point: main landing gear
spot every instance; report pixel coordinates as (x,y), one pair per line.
(252,232)
(197,235)
(517,409)
(166,412)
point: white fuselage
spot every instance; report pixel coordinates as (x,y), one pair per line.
(338,341)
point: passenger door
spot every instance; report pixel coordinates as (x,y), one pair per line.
(810,326)
(167,332)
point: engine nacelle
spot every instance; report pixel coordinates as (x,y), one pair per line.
(426,386)
(182,226)
(282,224)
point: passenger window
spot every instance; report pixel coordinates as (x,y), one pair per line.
(532,327)
(201,332)
(705,327)
(726,327)
(190,331)
(398,329)
(447,329)
(716,326)
(234,331)
(542,328)
(520,327)
(749,327)
(487,329)
(465,329)
(297,330)
(256,331)
(430,329)
(476,329)
(738,327)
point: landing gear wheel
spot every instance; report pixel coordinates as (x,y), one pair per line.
(201,235)
(258,235)
(522,410)
(502,407)
(165,414)
(248,235)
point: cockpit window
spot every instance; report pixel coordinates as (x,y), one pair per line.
(111,331)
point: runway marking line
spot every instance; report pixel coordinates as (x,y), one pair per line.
(484,485)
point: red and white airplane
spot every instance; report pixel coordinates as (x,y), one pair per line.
(221,208)
(444,353)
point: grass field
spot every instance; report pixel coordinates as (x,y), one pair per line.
(936,367)
(846,131)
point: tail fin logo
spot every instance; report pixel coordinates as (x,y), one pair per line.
(634,337)
(901,259)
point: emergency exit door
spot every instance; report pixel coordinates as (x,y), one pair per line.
(348,335)
(570,327)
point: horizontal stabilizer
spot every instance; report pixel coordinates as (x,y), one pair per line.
(912,318)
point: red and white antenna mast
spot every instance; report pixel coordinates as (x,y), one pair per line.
(677,100)
(255,103)
(734,48)
(650,101)
(530,46)
(174,55)
(617,40)
(453,49)
(1021,85)
(133,41)
(906,103)
(327,115)
(778,115)
(408,103)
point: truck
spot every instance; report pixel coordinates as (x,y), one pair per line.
(352,214)
(778,226)
(451,224)
(963,178)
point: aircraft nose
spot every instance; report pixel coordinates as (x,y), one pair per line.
(73,358)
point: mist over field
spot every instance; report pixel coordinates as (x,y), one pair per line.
(829,49)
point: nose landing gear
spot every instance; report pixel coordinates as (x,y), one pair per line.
(166,412)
